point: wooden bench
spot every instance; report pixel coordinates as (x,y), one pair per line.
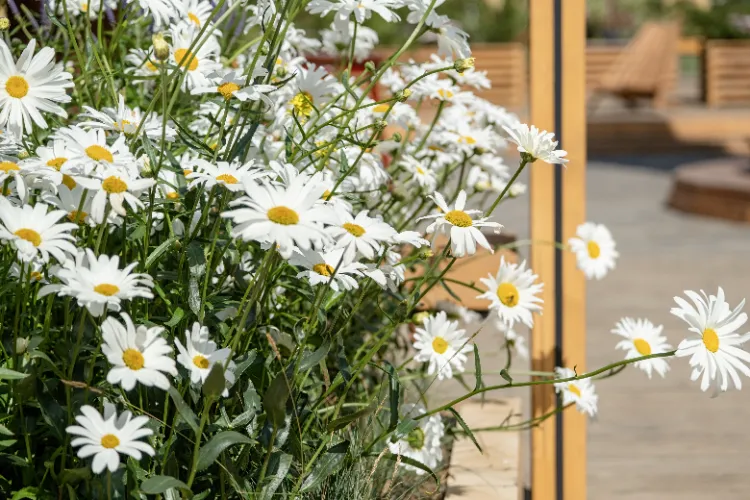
(646,67)
(727,72)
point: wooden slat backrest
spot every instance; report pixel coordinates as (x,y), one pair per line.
(727,73)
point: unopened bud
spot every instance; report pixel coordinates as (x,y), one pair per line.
(380,124)
(4,23)
(419,317)
(370,66)
(403,95)
(23,155)
(396,137)
(161,47)
(463,64)
(426,253)
(21,345)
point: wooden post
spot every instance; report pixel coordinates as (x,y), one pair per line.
(542,196)
(558,103)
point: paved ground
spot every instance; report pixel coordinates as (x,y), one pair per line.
(662,439)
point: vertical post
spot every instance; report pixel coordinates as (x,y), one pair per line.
(558,103)
(542,196)
(573,22)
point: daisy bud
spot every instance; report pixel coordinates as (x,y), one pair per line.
(426,253)
(419,317)
(23,155)
(380,124)
(370,66)
(463,64)
(4,23)
(397,137)
(161,47)
(403,95)
(21,345)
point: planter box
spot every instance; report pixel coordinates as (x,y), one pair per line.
(727,72)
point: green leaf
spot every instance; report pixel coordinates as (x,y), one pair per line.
(327,465)
(176,317)
(504,373)
(158,251)
(215,382)
(29,492)
(194,295)
(183,409)
(196,259)
(342,422)
(313,358)
(477,368)
(6,374)
(74,476)
(278,467)
(394,393)
(405,427)
(410,461)
(466,429)
(157,485)
(274,400)
(210,451)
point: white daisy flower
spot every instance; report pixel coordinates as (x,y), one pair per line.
(442,344)
(199,355)
(422,175)
(515,341)
(89,150)
(126,121)
(75,202)
(423,442)
(310,88)
(361,234)
(197,12)
(359,10)
(163,11)
(284,216)
(44,169)
(457,312)
(106,436)
(595,250)
(138,354)
(321,267)
(78,7)
(418,8)
(33,270)
(581,392)
(452,41)
(32,84)
(231,176)
(412,238)
(141,63)
(513,293)
(197,65)
(98,284)
(714,349)
(35,232)
(118,187)
(535,144)
(11,171)
(233,84)
(337,42)
(459,225)
(641,339)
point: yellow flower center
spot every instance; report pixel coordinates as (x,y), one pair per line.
(84,7)
(201,362)
(323,269)
(574,389)
(459,218)
(99,153)
(56,163)
(151,66)
(326,194)
(227,89)
(187,172)
(594,250)
(114,184)
(76,216)
(106,289)
(445,94)
(711,339)
(354,229)
(69,182)
(110,441)
(467,139)
(643,347)
(186,59)
(283,215)
(122,124)
(381,108)
(194,18)
(36,275)
(420,170)
(173,195)
(133,359)
(17,86)
(303,104)
(508,294)
(439,345)
(227,178)
(29,235)
(7,166)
